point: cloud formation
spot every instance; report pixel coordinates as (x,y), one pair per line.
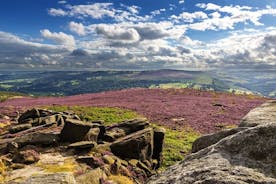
(60,38)
(77,28)
(123,38)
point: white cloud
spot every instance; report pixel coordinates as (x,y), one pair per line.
(234,15)
(181,1)
(116,32)
(17,53)
(190,17)
(57,12)
(77,28)
(96,10)
(60,38)
(62,2)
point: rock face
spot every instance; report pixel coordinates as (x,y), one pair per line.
(138,145)
(74,130)
(239,156)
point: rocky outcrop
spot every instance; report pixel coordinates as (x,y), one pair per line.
(135,146)
(239,156)
(74,130)
(89,150)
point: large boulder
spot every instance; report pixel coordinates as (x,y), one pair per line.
(247,156)
(210,139)
(261,115)
(125,128)
(138,145)
(74,130)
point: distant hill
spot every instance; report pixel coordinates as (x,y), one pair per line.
(64,83)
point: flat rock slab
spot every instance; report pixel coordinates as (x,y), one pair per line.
(266,113)
(37,138)
(82,145)
(55,178)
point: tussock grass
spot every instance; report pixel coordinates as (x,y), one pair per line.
(109,115)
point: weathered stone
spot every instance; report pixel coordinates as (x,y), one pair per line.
(59,119)
(125,128)
(55,178)
(36,121)
(33,113)
(74,130)
(248,156)
(92,135)
(27,121)
(82,145)
(17,166)
(210,139)
(19,128)
(45,120)
(94,176)
(159,136)
(37,138)
(261,115)
(92,161)
(12,147)
(26,157)
(108,159)
(138,145)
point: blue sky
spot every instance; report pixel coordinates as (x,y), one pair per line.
(137,34)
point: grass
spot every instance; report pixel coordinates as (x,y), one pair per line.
(68,166)
(178,143)
(6,95)
(109,115)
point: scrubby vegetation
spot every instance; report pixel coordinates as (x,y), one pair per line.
(6,95)
(2,171)
(107,114)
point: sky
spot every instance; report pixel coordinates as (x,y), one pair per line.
(137,34)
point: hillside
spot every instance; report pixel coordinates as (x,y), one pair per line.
(64,83)
(184,114)
(202,111)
